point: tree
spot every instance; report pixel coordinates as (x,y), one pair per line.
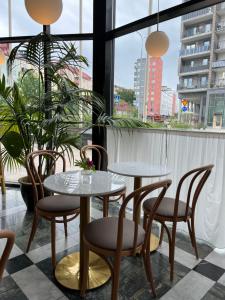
(127,95)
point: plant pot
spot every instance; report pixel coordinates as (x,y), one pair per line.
(28,194)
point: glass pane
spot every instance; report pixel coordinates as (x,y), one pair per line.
(129,11)
(4,30)
(22,23)
(174,90)
(29,92)
(69,22)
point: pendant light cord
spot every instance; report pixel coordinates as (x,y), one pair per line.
(158,17)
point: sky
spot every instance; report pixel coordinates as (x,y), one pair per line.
(127,48)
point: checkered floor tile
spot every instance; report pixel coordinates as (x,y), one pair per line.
(29,275)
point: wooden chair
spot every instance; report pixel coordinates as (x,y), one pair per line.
(173,210)
(10,236)
(54,208)
(102,154)
(118,236)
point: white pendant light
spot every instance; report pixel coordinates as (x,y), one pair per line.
(2,57)
(44,12)
(157,42)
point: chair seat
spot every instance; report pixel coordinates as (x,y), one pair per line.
(103,233)
(59,203)
(166,207)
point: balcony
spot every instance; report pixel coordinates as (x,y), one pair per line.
(220,27)
(221,45)
(220,9)
(197,86)
(186,69)
(219,83)
(189,34)
(218,64)
(202,12)
(197,50)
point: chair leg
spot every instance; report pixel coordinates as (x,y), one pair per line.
(161,235)
(145,221)
(123,198)
(172,250)
(33,230)
(193,238)
(148,267)
(65,226)
(115,278)
(105,206)
(53,243)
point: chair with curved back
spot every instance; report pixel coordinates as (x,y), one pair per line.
(118,236)
(54,208)
(102,157)
(174,210)
(10,236)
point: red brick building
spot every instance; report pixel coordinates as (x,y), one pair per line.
(154,86)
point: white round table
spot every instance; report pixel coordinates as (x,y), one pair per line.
(74,271)
(138,170)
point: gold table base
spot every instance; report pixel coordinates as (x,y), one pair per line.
(67,271)
(154,243)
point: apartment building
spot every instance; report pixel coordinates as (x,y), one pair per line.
(139,84)
(147,86)
(168,102)
(202,65)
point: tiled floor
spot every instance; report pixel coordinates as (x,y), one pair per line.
(29,276)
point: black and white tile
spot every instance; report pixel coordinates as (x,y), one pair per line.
(29,275)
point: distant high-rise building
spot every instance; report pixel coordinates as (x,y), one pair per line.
(148,91)
(154,86)
(139,84)
(168,105)
(202,65)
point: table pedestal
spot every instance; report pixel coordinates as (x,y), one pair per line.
(82,270)
(67,271)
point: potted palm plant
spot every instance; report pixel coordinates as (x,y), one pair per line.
(55,112)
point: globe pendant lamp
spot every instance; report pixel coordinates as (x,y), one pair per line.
(44,12)
(2,57)
(157,42)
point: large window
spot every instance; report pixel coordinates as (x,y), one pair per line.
(129,11)
(75,18)
(174,89)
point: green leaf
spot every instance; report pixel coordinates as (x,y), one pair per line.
(13,143)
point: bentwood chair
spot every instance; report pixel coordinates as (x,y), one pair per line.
(54,208)
(117,236)
(174,210)
(103,157)
(10,236)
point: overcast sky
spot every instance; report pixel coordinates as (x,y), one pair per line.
(128,48)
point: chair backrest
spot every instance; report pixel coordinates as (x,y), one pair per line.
(10,236)
(139,195)
(41,164)
(197,178)
(100,151)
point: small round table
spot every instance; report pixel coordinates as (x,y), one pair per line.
(138,170)
(81,269)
